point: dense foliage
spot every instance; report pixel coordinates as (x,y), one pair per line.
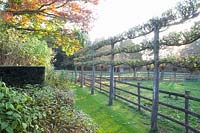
(16,112)
(62,61)
(20,49)
(42,109)
(60,21)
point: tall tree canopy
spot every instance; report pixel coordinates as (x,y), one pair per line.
(53,20)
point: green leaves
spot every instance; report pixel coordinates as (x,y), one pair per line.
(24,125)
(9,112)
(9,106)
(16,115)
(38,109)
(20,49)
(4,125)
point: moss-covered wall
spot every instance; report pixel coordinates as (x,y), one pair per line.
(20,75)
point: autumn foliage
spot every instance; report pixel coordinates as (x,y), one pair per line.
(56,18)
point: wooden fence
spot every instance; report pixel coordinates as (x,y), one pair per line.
(101,83)
(143,75)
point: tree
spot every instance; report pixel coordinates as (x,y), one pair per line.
(18,49)
(49,18)
(192,49)
(132,56)
(191,63)
(184,11)
(62,61)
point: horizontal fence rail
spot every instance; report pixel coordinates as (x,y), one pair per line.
(144,75)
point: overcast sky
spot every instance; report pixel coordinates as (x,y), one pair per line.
(116,16)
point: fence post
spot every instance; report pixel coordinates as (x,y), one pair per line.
(93,80)
(119,76)
(174,70)
(187,93)
(115,84)
(72,76)
(100,81)
(81,76)
(138,91)
(176,97)
(84,79)
(134,73)
(154,113)
(75,80)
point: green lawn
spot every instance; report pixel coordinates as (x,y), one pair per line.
(118,118)
(124,118)
(178,87)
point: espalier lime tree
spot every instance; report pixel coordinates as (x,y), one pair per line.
(184,11)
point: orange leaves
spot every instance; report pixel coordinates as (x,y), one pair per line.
(7,16)
(77,12)
(55,18)
(75,7)
(30,4)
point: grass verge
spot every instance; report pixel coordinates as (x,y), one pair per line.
(111,119)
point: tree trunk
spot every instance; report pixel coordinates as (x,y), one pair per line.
(174,70)
(134,72)
(111,94)
(162,74)
(93,73)
(155,98)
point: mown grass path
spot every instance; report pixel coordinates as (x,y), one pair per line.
(111,119)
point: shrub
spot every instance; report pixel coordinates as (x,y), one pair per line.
(42,109)
(16,113)
(56,79)
(20,49)
(60,114)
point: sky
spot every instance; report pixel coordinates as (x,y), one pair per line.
(116,16)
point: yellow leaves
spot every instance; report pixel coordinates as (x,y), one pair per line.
(69,46)
(46,18)
(24,20)
(41,17)
(58,40)
(44,10)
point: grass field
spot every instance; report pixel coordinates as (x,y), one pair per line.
(118,118)
(178,87)
(121,117)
